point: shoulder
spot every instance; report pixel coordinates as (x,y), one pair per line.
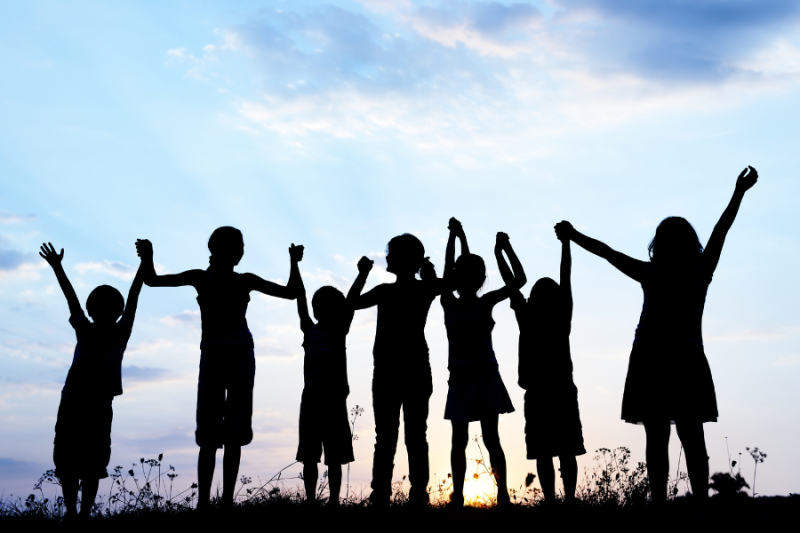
(518,302)
(78,320)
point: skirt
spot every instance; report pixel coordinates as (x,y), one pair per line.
(553,422)
(82,446)
(470,400)
(668,379)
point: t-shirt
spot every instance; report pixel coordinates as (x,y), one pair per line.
(97,364)
(325,362)
(544,352)
(400,345)
(469,326)
(223,300)
(673,304)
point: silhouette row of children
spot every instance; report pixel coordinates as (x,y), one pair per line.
(674,281)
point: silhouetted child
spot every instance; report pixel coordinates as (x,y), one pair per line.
(402,375)
(82,447)
(323,408)
(476,391)
(552,418)
(227,361)
(669,380)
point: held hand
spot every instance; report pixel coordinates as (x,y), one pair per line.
(455,226)
(427,271)
(296,253)
(365,265)
(564,230)
(144,249)
(746,179)
(49,254)
(502,241)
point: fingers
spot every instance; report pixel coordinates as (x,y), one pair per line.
(741,175)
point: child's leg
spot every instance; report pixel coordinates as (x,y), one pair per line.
(569,475)
(206,462)
(657,455)
(334,483)
(386,407)
(310,475)
(547,477)
(69,487)
(415,420)
(491,438)
(88,495)
(458,458)
(694,442)
(230,472)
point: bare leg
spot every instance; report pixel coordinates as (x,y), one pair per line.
(88,495)
(69,487)
(657,455)
(491,438)
(310,475)
(335,484)
(206,462)
(547,477)
(230,472)
(694,443)
(569,474)
(458,459)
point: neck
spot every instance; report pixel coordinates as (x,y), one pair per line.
(405,277)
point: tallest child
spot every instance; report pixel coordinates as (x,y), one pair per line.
(402,376)
(227,361)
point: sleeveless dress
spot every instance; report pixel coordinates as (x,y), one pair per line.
(476,389)
(668,374)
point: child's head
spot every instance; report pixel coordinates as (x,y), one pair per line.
(105,304)
(226,245)
(404,253)
(469,273)
(546,297)
(328,304)
(675,242)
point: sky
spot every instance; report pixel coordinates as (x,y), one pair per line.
(338,125)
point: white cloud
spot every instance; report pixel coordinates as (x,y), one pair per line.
(116,269)
(787,361)
(10,218)
(756,334)
(148,347)
(187,317)
(27,271)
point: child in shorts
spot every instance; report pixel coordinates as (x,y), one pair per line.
(82,445)
(323,408)
(227,361)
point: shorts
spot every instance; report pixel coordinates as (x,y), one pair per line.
(225,396)
(324,424)
(553,423)
(82,446)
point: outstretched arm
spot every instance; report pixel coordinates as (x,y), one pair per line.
(354,294)
(513,277)
(456,232)
(633,268)
(714,248)
(289,292)
(566,278)
(54,260)
(296,283)
(189,278)
(133,294)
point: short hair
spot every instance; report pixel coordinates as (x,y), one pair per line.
(223,239)
(325,300)
(105,302)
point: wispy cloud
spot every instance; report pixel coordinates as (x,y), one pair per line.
(116,269)
(187,317)
(10,218)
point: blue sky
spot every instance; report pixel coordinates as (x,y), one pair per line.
(339,125)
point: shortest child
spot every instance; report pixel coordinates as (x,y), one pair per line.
(323,408)
(82,446)
(552,419)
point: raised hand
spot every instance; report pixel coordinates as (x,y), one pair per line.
(564,230)
(746,179)
(455,226)
(296,253)
(144,249)
(365,265)
(49,254)
(502,239)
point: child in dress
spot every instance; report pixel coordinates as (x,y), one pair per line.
(82,447)
(552,418)
(476,391)
(402,375)
(323,408)
(227,361)
(669,339)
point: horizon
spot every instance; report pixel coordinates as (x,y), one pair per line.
(339,125)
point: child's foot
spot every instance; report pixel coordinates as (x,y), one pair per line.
(456,501)
(503,499)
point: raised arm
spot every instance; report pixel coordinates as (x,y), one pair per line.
(54,260)
(189,278)
(633,268)
(456,232)
(133,294)
(714,248)
(296,283)
(289,292)
(566,278)
(513,277)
